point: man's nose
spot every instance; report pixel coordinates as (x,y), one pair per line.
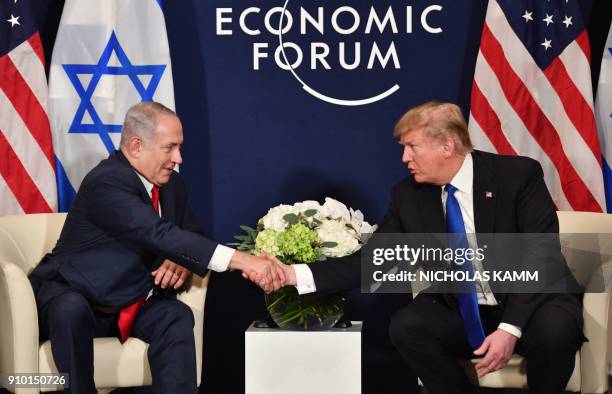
(407,155)
(177,158)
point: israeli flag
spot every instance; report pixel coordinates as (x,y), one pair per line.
(108,56)
(603,113)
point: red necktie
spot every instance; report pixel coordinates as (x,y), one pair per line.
(155,198)
(127,316)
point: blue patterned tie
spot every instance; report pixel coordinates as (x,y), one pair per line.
(468,301)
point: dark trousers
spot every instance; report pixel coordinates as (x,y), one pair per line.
(383,369)
(430,336)
(70,322)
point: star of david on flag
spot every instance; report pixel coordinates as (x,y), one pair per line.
(108,56)
(134,72)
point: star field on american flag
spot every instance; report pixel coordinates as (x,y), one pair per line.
(17,24)
(532,96)
(550,24)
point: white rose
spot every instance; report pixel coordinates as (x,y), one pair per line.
(367,228)
(274,218)
(306,205)
(336,231)
(356,220)
(309,204)
(336,210)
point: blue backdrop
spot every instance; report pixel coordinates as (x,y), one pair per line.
(271,142)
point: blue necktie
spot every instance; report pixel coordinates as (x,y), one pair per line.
(468,301)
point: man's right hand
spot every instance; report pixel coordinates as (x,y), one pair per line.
(288,271)
(265,273)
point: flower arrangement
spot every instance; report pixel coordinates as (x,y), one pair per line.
(306,232)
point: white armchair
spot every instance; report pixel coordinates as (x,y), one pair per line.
(591,369)
(24,240)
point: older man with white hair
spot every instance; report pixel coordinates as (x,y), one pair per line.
(129,230)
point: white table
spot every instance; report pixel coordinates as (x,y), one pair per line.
(303,362)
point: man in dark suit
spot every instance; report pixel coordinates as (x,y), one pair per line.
(129,227)
(454,189)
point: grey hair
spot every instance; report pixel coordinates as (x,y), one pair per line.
(141,120)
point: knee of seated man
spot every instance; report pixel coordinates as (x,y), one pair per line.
(406,328)
(554,334)
(177,312)
(71,309)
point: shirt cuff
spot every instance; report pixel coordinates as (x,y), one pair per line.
(512,329)
(221,258)
(304,279)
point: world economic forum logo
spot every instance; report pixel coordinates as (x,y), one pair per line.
(355,44)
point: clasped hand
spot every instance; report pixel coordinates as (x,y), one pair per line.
(261,270)
(170,274)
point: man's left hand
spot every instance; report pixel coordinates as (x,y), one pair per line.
(497,349)
(170,274)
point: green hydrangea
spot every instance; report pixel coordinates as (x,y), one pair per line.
(296,244)
(267,241)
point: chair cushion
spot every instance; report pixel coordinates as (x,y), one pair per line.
(115,365)
(514,375)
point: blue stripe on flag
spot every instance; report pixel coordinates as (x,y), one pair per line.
(607,176)
(65,191)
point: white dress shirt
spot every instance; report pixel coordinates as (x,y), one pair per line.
(463,181)
(221,256)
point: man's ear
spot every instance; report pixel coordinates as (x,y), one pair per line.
(448,147)
(134,146)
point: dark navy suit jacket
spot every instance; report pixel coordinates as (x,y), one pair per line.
(112,238)
(520,203)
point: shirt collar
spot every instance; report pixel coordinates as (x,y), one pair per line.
(147,185)
(464,178)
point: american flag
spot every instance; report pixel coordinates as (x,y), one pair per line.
(27,170)
(532,96)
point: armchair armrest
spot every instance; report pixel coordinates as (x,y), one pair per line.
(19,323)
(593,355)
(194,296)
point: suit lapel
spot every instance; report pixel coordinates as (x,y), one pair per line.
(430,204)
(166,197)
(485,195)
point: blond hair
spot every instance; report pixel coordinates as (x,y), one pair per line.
(440,121)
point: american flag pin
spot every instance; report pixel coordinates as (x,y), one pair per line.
(488,194)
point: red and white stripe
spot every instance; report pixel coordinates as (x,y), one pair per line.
(27,167)
(519,109)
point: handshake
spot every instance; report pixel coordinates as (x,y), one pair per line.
(264,270)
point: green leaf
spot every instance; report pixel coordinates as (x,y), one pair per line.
(243,237)
(329,244)
(291,218)
(316,222)
(310,212)
(250,231)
